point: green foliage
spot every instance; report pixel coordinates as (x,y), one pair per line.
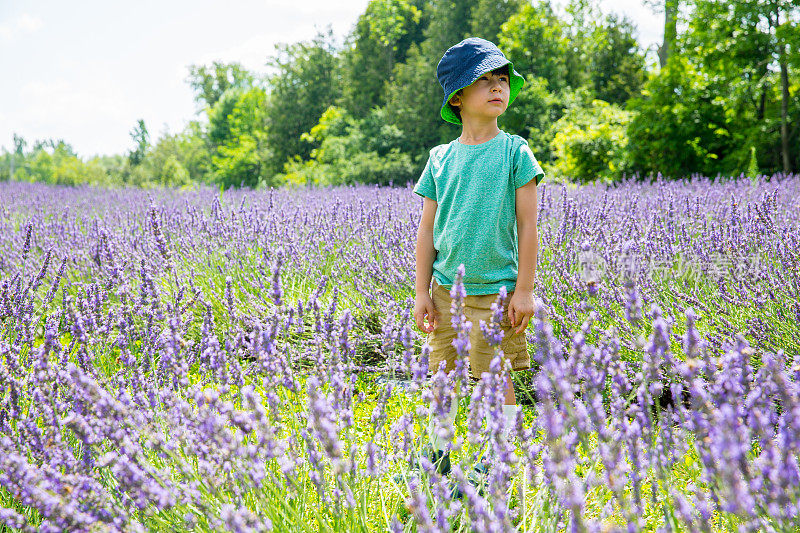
(306,82)
(681,123)
(141,138)
(615,63)
(488,16)
(719,93)
(352,151)
(752,167)
(380,40)
(584,54)
(590,142)
(412,106)
(175,161)
(178,160)
(56,163)
(450,22)
(210,83)
(237,129)
(534,38)
(532,114)
(414,96)
(189,149)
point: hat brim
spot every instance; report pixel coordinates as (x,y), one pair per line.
(515,83)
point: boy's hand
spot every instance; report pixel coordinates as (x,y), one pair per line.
(423,307)
(520,309)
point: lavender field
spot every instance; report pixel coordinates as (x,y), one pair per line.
(246,361)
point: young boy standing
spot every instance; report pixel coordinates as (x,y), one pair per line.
(479,210)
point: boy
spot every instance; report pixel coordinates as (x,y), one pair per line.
(479,210)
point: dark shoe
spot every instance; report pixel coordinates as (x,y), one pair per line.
(439,459)
(476,477)
(479,474)
(455,491)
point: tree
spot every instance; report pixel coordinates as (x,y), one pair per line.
(353,151)
(305,83)
(450,21)
(671,9)
(533,112)
(745,43)
(681,125)
(210,83)
(380,40)
(719,104)
(237,129)
(590,143)
(412,105)
(488,17)
(141,139)
(179,159)
(414,97)
(603,53)
(616,61)
(584,58)
(55,162)
(534,39)
(18,152)
(783,16)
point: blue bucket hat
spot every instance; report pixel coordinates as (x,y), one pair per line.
(464,63)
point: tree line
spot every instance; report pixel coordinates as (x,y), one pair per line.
(719,97)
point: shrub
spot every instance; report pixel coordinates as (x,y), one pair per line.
(589,143)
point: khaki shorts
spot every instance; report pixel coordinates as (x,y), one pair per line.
(476,308)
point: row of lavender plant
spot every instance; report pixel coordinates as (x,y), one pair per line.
(727,249)
(188,367)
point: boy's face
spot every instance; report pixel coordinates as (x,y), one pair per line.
(486,97)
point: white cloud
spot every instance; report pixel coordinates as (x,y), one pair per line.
(76,113)
(251,53)
(21,24)
(289,22)
(29,23)
(62,99)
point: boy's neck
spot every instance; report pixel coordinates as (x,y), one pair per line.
(478,131)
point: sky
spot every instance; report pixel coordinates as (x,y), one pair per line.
(86,70)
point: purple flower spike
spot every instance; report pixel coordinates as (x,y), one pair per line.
(277,292)
(493,331)
(633,303)
(462,328)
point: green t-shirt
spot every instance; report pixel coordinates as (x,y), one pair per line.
(476,223)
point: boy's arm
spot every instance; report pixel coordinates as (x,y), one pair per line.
(425,255)
(521,307)
(425,252)
(527,207)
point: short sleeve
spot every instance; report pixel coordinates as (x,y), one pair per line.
(526,167)
(425,185)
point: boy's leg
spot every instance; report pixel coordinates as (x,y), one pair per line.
(510,408)
(515,348)
(442,355)
(442,350)
(513,345)
(439,442)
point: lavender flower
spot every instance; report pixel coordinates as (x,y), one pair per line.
(129,399)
